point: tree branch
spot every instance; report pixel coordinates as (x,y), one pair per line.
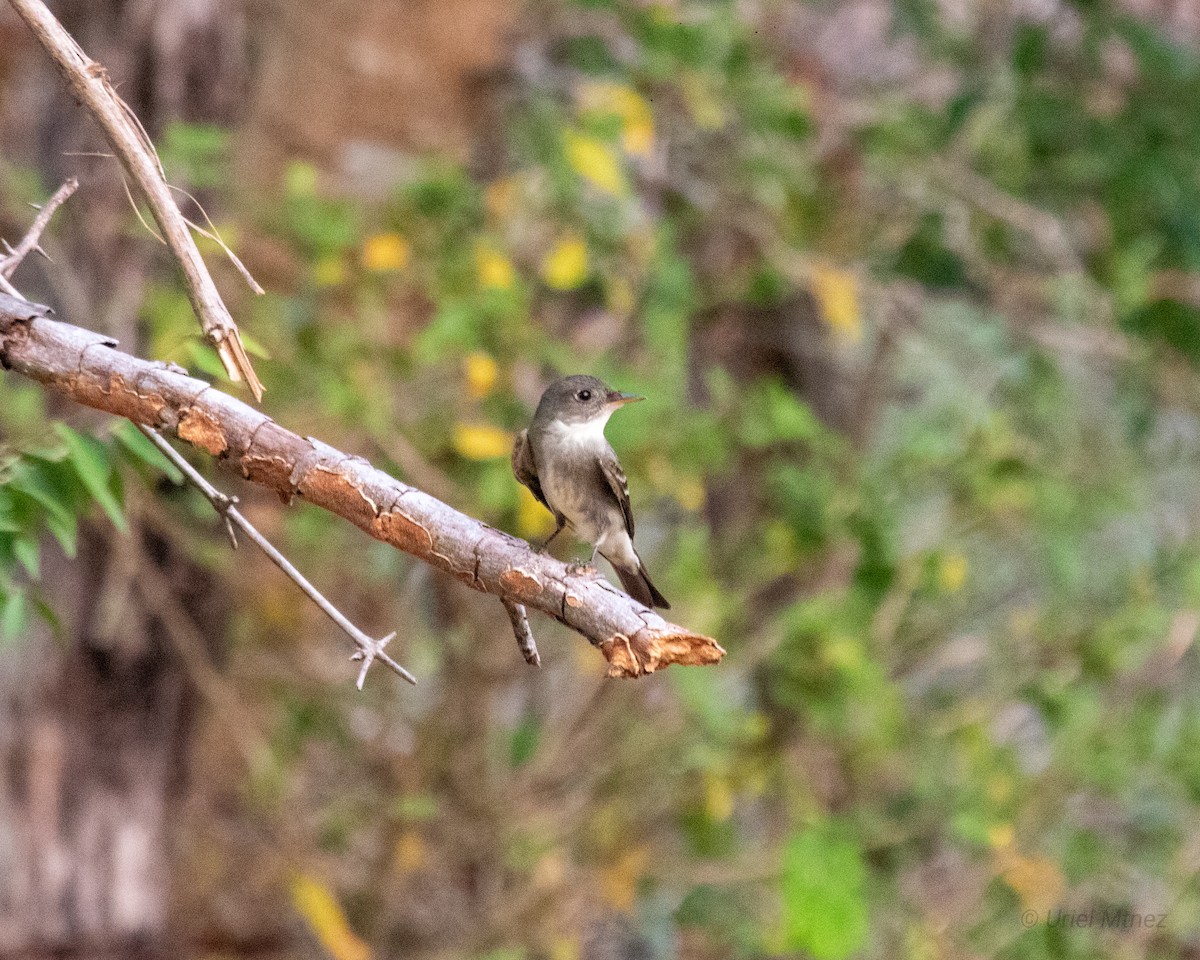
(520,624)
(29,242)
(84,366)
(89,82)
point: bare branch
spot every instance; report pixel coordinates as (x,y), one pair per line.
(29,242)
(89,82)
(1046,230)
(369,650)
(520,624)
(83,366)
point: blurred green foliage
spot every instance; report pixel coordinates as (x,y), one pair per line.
(49,480)
(960,683)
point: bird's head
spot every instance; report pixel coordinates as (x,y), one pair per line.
(581,399)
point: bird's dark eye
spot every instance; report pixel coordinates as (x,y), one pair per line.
(584,395)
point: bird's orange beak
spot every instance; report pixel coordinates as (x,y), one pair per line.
(618,399)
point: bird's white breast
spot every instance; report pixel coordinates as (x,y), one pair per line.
(573,441)
(587,436)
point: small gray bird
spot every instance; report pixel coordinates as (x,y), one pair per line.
(565,461)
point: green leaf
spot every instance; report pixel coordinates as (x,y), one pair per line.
(1175,323)
(65,529)
(26,550)
(136,442)
(12,615)
(775,415)
(195,153)
(824,907)
(415,806)
(525,740)
(926,259)
(8,523)
(47,613)
(254,346)
(204,358)
(88,457)
(41,484)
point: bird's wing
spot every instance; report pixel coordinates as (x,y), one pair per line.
(615,476)
(524,469)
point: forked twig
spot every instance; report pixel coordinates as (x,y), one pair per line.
(369,650)
(29,242)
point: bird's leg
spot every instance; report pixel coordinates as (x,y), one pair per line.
(561,521)
(588,567)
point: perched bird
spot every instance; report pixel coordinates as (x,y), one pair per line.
(566,462)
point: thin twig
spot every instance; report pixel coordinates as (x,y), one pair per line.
(214,235)
(29,242)
(1046,230)
(369,650)
(519,619)
(90,83)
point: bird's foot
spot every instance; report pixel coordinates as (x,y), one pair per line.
(582,568)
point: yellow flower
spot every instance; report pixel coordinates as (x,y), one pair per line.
(843,653)
(952,572)
(1037,880)
(325,918)
(619,881)
(595,161)
(689,492)
(620,296)
(565,267)
(534,521)
(493,269)
(329,272)
(718,797)
(301,179)
(836,293)
(1000,836)
(409,853)
(637,121)
(706,110)
(482,372)
(481,441)
(386,252)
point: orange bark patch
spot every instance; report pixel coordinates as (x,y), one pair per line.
(521,584)
(335,491)
(271,472)
(202,431)
(395,528)
(120,398)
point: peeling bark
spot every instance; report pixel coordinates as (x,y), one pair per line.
(85,367)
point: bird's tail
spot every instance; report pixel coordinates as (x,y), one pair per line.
(637,584)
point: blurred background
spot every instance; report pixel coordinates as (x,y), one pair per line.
(913,289)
